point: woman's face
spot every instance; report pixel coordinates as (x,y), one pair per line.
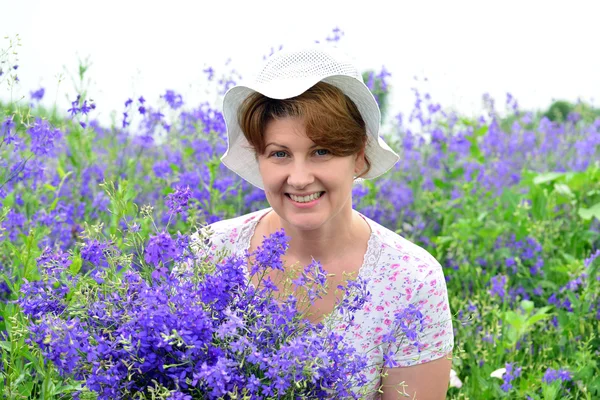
(293,167)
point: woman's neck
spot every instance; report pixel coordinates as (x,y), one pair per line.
(330,242)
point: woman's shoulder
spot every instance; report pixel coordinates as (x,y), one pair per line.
(396,250)
(397,244)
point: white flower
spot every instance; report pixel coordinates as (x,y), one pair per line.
(455,380)
(498,373)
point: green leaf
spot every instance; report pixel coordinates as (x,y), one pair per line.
(527,305)
(481,131)
(457,173)
(537,317)
(482,216)
(564,189)
(60,171)
(547,177)
(54,204)
(568,257)
(76,264)
(443,239)
(512,336)
(589,213)
(578,181)
(514,319)
(67,388)
(466,121)
(25,388)
(474,149)
(441,184)
(9,200)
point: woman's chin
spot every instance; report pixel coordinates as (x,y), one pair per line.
(303,221)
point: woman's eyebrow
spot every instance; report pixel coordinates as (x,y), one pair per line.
(285,147)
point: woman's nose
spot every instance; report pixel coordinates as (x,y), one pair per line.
(300,176)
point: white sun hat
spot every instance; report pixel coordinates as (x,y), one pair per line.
(289,73)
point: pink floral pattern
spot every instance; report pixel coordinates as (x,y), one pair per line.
(399,272)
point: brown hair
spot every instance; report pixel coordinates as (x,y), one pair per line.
(331,119)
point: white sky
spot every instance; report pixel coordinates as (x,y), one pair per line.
(536,50)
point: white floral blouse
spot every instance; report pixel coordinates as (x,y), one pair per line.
(399,273)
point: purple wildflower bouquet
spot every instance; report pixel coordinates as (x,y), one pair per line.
(195,330)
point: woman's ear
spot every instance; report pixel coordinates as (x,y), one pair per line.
(359,162)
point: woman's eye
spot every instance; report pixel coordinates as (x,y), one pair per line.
(283,154)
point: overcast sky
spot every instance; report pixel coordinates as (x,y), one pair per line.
(536,50)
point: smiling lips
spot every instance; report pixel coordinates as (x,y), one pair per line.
(305,199)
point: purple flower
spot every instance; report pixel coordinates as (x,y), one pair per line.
(509,376)
(383,75)
(588,261)
(189,336)
(43,137)
(179,396)
(178,201)
(268,255)
(162,168)
(62,342)
(47,296)
(388,361)
(337,34)
(74,110)
(7,130)
(85,109)
(411,322)
(536,268)
(573,117)
(498,283)
(94,254)
(225,85)
(210,72)
(37,94)
(161,248)
(182,242)
(173,99)
(552,375)
(511,263)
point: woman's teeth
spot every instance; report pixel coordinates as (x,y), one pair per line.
(306,199)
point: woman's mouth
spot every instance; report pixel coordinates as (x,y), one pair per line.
(305,199)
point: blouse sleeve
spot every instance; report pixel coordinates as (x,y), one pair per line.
(423,319)
(216,241)
(202,243)
(211,243)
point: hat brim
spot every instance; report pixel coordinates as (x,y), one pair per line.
(240,157)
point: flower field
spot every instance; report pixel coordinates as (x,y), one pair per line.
(95,225)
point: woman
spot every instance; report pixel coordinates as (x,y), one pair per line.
(304,132)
